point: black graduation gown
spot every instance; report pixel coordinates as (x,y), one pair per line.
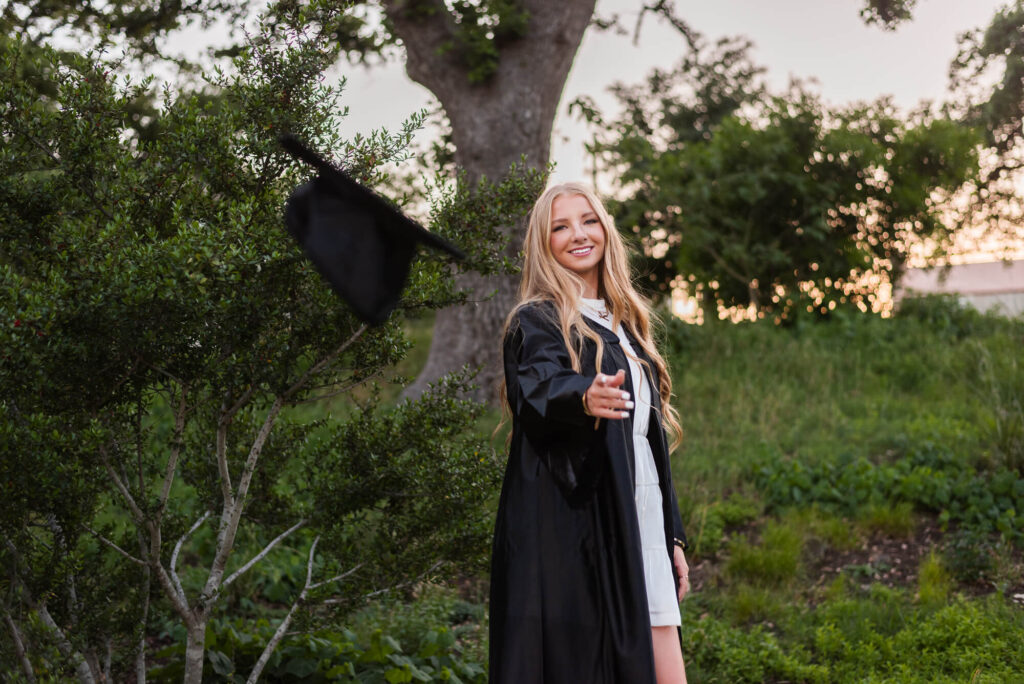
(568,601)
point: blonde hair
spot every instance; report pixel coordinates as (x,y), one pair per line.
(545,280)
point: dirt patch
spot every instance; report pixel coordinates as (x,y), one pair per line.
(890,561)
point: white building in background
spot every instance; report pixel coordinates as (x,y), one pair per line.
(985,286)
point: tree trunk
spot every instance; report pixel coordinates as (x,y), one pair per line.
(494,125)
(140,655)
(195,649)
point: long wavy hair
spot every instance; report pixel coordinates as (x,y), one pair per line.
(545,280)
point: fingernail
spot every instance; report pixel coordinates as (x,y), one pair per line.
(624,414)
(629,404)
(625,395)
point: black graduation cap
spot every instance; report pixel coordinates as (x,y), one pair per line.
(357,240)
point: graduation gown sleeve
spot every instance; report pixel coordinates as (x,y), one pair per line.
(548,398)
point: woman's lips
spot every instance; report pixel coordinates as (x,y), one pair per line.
(581,251)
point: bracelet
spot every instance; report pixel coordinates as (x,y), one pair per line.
(681,544)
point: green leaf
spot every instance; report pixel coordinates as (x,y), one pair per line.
(300,667)
(222,664)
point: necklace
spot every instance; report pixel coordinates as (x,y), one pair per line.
(597,308)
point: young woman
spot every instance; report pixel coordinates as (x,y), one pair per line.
(588,567)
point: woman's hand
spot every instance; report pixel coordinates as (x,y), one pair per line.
(682,570)
(605,398)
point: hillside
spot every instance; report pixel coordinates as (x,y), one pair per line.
(855,498)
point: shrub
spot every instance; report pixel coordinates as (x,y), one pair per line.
(717,653)
(168,356)
(885,637)
(325,656)
(928,479)
(946,315)
(981,559)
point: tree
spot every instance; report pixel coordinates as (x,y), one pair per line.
(996,106)
(161,335)
(501,107)
(774,201)
(887,13)
(987,78)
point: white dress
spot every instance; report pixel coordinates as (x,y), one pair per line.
(658,577)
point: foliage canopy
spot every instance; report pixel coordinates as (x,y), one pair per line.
(773,200)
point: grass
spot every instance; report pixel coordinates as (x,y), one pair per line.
(824,529)
(891,520)
(934,582)
(773,561)
(852,386)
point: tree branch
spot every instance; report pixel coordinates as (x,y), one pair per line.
(232,515)
(262,554)
(385,590)
(720,260)
(121,487)
(425,34)
(165,373)
(324,362)
(177,442)
(138,447)
(85,675)
(177,550)
(222,461)
(108,656)
(279,633)
(172,591)
(61,543)
(666,9)
(147,579)
(103,210)
(336,578)
(114,546)
(19,645)
(237,406)
(348,387)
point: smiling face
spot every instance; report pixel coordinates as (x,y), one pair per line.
(577,239)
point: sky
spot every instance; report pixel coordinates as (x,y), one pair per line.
(824,40)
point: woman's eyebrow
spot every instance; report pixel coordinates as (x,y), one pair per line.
(586,214)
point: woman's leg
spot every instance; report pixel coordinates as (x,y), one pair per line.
(668,657)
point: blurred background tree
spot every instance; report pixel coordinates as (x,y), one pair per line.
(987,78)
(771,201)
